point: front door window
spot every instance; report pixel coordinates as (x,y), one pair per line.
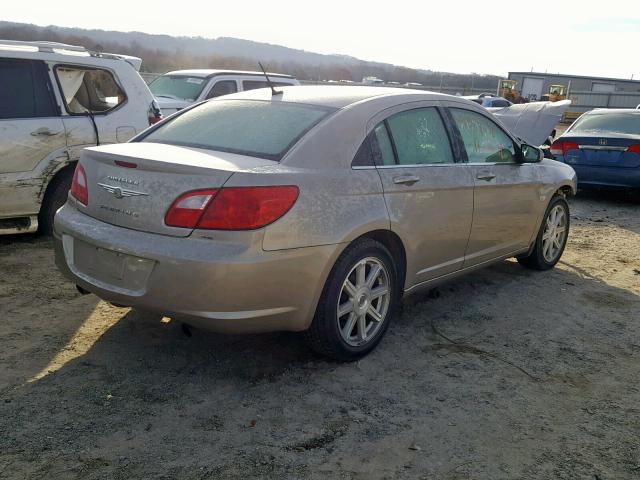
(484,141)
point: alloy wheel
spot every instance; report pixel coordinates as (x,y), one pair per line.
(363,302)
(555,233)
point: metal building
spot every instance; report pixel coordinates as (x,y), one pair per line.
(584,92)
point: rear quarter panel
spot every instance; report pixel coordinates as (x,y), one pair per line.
(334,205)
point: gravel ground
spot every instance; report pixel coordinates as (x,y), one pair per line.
(504,374)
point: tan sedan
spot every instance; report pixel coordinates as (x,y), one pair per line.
(308,209)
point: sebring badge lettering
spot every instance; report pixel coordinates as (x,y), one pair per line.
(123,211)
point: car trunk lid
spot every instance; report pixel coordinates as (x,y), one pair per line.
(602,151)
(132,185)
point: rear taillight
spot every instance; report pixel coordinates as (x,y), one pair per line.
(233,208)
(79,189)
(188,208)
(561,147)
(634,148)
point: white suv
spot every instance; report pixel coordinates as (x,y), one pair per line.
(179,89)
(56,99)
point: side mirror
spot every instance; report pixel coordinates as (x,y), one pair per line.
(529,154)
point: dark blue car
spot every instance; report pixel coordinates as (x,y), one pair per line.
(603,147)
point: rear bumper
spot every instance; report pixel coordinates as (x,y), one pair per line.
(607,176)
(216,285)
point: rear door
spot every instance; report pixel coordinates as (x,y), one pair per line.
(30,131)
(429,195)
(30,126)
(507,195)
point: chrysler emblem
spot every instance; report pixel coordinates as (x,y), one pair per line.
(120,192)
(602,141)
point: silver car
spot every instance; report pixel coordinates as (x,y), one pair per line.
(308,209)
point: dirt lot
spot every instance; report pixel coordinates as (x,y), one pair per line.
(507,374)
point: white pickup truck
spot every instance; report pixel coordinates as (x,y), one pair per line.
(179,89)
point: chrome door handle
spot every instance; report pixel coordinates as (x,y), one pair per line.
(45,132)
(486,176)
(406,180)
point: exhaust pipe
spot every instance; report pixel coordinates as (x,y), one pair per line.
(82,290)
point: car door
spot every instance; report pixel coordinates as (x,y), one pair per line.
(429,194)
(31,132)
(507,192)
(30,126)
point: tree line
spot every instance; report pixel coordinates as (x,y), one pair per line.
(162,60)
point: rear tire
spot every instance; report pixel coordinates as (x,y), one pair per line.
(357,304)
(552,236)
(54,198)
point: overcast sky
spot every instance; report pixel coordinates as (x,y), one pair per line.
(458,36)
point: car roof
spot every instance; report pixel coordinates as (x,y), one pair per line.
(336,96)
(61,51)
(601,111)
(211,72)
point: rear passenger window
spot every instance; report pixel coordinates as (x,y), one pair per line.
(25,91)
(375,150)
(383,149)
(420,137)
(89,90)
(484,141)
(364,155)
(253,84)
(223,87)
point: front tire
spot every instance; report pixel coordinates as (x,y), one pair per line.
(552,237)
(357,304)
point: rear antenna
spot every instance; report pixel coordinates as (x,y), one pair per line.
(273,89)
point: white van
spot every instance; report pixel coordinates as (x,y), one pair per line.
(56,99)
(179,89)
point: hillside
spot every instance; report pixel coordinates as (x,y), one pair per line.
(161,53)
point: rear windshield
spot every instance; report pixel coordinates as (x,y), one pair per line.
(256,128)
(625,123)
(177,87)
